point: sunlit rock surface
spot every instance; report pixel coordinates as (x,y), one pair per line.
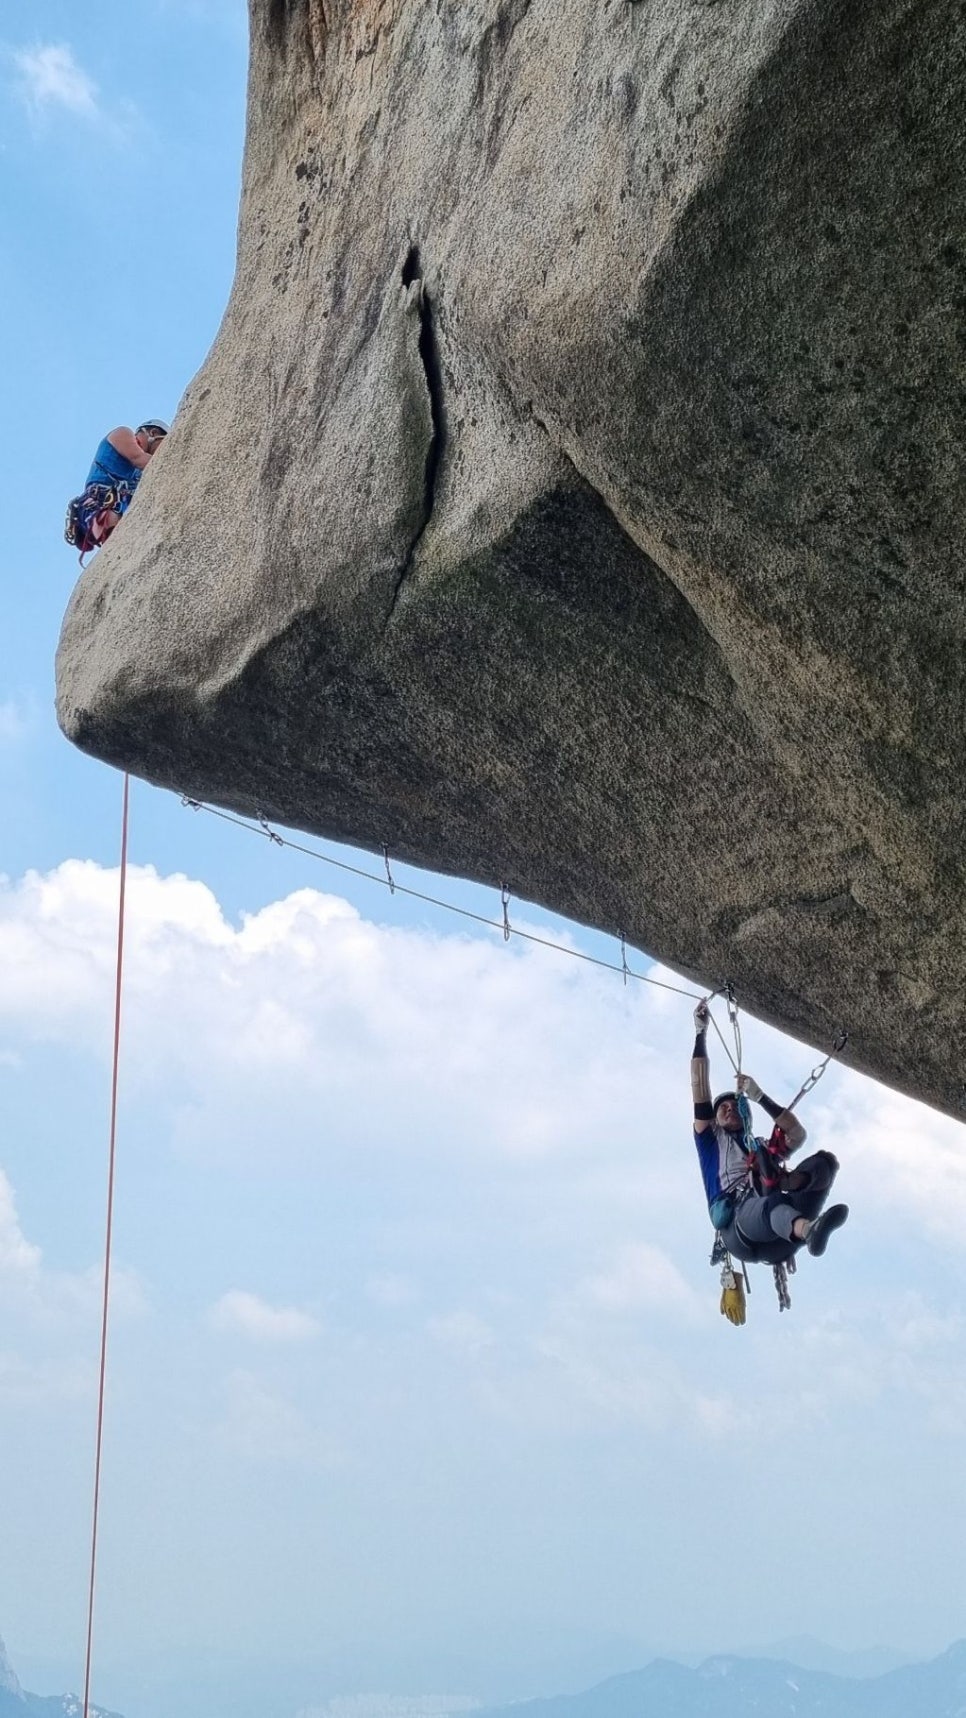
(574,494)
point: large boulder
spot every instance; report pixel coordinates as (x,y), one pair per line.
(574,494)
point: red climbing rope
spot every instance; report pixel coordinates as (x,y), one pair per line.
(107,1246)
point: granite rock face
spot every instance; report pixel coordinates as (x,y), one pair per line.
(574,494)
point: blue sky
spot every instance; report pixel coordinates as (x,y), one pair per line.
(417,1381)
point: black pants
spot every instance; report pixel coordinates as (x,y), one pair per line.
(762,1228)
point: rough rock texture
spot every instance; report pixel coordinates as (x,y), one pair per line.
(574,494)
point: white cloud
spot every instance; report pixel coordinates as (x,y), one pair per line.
(48,1299)
(463,1333)
(521,1125)
(50,77)
(391,1289)
(53,1313)
(305,997)
(13,722)
(630,1380)
(63,1298)
(909,1159)
(27,1382)
(239,1313)
(889,1344)
(641,1276)
(57,944)
(260,1425)
(16,1252)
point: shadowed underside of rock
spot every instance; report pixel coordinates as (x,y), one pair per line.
(573,495)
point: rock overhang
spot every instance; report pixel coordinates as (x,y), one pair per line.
(573,494)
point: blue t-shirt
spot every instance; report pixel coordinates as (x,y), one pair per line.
(724,1165)
(109,466)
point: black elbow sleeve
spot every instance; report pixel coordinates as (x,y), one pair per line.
(704,1112)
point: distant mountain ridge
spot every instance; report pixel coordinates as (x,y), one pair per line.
(727,1687)
(811,1654)
(15,1702)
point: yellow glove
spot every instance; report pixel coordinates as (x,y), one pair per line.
(732,1297)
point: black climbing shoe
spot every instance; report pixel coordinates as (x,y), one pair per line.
(822,1227)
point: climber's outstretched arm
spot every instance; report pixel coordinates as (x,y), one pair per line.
(701,1072)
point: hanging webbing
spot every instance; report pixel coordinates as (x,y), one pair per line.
(722,1039)
(102,1374)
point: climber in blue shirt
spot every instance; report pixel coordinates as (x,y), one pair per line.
(763,1211)
(114,475)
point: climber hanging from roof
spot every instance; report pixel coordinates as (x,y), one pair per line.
(113,477)
(763,1212)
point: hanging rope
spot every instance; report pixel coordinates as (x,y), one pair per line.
(722,1040)
(735,1026)
(107,1247)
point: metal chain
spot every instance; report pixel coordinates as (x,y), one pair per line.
(841,1039)
(267,830)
